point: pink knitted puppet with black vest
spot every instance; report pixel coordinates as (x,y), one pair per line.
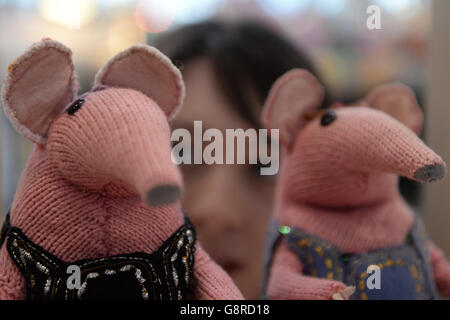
(341,228)
(97,212)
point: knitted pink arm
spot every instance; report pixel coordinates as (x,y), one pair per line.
(441,269)
(12,283)
(212,282)
(286,281)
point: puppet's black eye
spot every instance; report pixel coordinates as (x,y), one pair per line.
(328,118)
(75,106)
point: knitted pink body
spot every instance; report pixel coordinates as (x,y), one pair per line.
(339,181)
(83,192)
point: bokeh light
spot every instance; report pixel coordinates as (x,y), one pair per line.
(155,16)
(397,6)
(71,13)
(277,7)
(194,11)
(330,7)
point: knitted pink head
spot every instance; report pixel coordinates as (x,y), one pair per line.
(100,181)
(339,176)
(354,157)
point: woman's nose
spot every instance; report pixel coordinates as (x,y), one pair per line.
(215,207)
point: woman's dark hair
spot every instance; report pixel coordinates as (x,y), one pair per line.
(244,55)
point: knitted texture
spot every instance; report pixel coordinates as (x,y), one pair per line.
(286,281)
(441,269)
(110,130)
(212,282)
(339,181)
(83,192)
(48,58)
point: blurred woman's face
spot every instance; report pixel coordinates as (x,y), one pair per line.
(229,204)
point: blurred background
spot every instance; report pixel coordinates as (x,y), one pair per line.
(412,47)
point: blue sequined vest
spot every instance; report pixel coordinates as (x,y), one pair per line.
(404,270)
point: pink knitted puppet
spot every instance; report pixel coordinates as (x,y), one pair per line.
(96,214)
(342,228)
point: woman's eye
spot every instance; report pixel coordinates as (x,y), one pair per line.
(75,106)
(328,118)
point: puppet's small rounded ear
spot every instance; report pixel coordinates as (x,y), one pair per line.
(293,95)
(146,69)
(398,101)
(38,85)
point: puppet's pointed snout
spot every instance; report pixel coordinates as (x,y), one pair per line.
(414,160)
(158,181)
(139,155)
(418,162)
(383,144)
(156,185)
(431,173)
(162,195)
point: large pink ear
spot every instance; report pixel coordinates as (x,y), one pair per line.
(398,101)
(146,69)
(38,85)
(294,94)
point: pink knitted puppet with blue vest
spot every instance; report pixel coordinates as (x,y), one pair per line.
(341,228)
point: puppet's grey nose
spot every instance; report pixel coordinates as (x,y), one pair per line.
(430,173)
(162,195)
